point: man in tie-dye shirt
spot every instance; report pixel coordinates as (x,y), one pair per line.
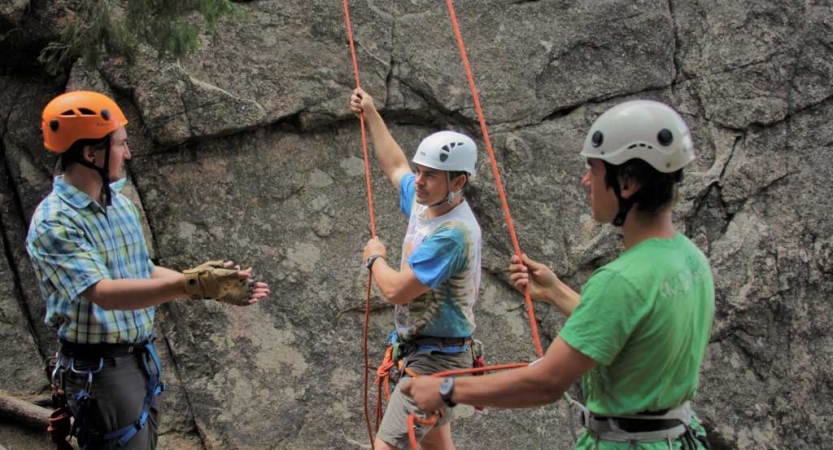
(437,284)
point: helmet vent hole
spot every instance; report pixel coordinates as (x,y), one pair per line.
(665,137)
(631,146)
(54,124)
(597,138)
(443,157)
(69,113)
(445,148)
(86,112)
(452,145)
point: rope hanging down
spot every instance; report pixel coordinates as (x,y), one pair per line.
(372,229)
(412,419)
(432,419)
(495,170)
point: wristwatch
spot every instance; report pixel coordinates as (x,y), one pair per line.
(371,260)
(446,390)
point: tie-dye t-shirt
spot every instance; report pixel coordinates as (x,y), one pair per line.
(444,253)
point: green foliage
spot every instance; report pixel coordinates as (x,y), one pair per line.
(117,27)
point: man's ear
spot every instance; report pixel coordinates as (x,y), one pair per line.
(629,187)
(459,182)
(88,154)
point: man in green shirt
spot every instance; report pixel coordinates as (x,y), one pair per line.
(638,332)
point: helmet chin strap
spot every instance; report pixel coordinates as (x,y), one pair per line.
(625,204)
(104,172)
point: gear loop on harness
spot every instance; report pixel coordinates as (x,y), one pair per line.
(60,420)
(664,426)
(68,361)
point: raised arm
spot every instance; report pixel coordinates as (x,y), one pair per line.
(390,155)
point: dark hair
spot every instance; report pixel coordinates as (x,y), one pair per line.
(658,190)
(75,151)
(453,174)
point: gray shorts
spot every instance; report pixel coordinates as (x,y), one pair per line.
(118,394)
(394,427)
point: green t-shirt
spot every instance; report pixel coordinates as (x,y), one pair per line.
(646,319)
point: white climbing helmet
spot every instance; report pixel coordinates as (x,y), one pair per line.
(449,151)
(651,131)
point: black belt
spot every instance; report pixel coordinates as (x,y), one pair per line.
(94,351)
(641,425)
(431,341)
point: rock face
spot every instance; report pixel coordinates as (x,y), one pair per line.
(246,150)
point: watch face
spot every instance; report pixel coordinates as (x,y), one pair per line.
(447,386)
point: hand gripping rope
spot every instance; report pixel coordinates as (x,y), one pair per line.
(412,419)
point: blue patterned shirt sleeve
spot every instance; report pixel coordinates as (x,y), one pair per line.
(66,259)
(407,193)
(439,257)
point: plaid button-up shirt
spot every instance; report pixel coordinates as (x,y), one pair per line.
(74,244)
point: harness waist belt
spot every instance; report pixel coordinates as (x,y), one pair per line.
(638,425)
(94,351)
(431,341)
(645,427)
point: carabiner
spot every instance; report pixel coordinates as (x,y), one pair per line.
(88,373)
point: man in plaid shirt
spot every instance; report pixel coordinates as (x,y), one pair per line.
(100,287)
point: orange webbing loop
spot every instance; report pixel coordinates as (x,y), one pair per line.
(432,419)
(372,224)
(383,374)
(495,170)
(412,420)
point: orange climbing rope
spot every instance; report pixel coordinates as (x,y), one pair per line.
(372,227)
(495,170)
(382,372)
(412,418)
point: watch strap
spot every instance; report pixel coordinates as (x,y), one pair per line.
(446,391)
(372,259)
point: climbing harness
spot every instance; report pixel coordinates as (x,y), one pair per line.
(654,426)
(68,360)
(398,354)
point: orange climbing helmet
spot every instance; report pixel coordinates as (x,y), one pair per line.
(79,115)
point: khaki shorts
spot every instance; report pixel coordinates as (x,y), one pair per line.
(394,427)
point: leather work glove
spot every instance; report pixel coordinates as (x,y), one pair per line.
(214,264)
(212,280)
